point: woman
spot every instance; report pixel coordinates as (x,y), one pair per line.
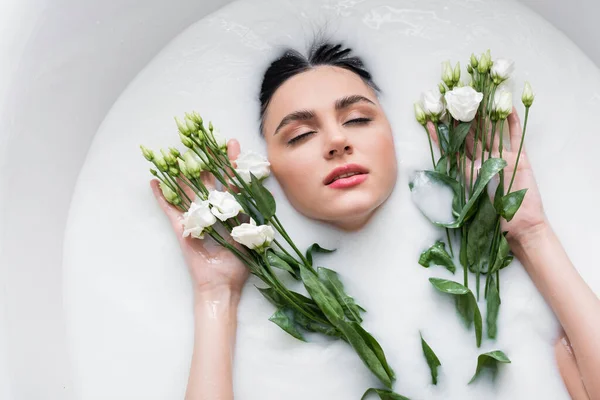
(322,112)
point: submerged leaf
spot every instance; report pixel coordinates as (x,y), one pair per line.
(334,284)
(466,304)
(432,361)
(490,360)
(510,204)
(423,179)
(443,136)
(437,255)
(383,394)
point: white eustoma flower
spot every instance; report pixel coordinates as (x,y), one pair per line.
(224,205)
(463,103)
(501,70)
(502,103)
(252,163)
(433,105)
(252,236)
(197,219)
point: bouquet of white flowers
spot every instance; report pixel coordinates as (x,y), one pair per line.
(480,110)
(327,309)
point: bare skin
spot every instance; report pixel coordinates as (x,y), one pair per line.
(535,244)
(218,278)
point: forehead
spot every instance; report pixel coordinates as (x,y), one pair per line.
(315,89)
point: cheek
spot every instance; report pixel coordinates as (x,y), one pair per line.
(296,171)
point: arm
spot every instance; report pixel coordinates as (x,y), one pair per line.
(574,303)
(215,321)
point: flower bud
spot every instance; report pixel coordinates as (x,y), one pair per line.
(191,125)
(502,102)
(174,151)
(447,74)
(171,196)
(182,127)
(474,61)
(192,164)
(456,73)
(148,154)
(210,126)
(174,172)
(442,88)
(183,168)
(171,161)
(483,64)
(153,172)
(161,164)
(197,118)
(469,69)
(187,142)
(528,96)
(420,114)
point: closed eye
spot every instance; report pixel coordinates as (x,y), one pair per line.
(300,137)
(358,121)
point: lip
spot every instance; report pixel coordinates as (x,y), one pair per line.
(361,175)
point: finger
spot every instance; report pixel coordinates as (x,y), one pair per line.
(208,180)
(515,130)
(233,150)
(187,190)
(432,132)
(170,210)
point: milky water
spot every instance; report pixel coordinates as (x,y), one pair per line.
(127,290)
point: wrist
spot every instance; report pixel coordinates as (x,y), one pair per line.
(531,236)
(222,297)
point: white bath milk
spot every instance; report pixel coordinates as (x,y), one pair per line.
(128,294)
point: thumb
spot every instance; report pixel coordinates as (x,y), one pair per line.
(170,211)
(233,150)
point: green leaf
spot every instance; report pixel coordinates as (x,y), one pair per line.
(442,165)
(334,284)
(315,248)
(275,261)
(490,360)
(376,347)
(511,202)
(466,304)
(432,360)
(383,394)
(488,170)
(493,307)
(271,294)
(501,255)
(498,197)
(265,203)
(250,209)
(286,322)
(314,326)
(364,351)
(322,296)
(459,134)
(437,255)
(444,136)
(481,231)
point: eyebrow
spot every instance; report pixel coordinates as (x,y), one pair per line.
(307,115)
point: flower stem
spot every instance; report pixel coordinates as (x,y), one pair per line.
(430,146)
(520,149)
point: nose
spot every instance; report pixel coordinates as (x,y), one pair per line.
(338,145)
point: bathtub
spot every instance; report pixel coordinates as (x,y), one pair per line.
(62,65)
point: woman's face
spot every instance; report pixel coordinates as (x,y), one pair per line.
(330,146)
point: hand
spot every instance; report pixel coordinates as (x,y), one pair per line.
(530,216)
(213,268)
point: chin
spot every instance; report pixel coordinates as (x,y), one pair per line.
(353,206)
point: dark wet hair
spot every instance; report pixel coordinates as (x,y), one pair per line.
(292,62)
